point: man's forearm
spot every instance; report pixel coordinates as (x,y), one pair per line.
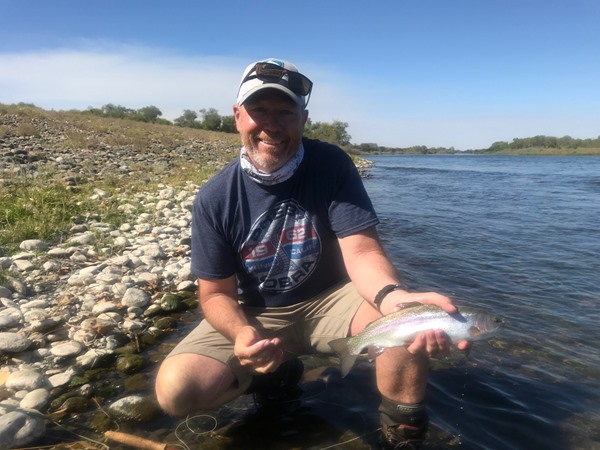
(218,301)
(225,315)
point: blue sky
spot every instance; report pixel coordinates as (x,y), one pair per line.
(461,73)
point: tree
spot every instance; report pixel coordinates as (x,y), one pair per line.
(149,113)
(334,132)
(211,120)
(117,111)
(228,124)
(187,119)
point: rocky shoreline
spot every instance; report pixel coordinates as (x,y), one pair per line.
(73,311)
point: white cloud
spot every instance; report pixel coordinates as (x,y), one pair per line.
(395,114)
(64,79)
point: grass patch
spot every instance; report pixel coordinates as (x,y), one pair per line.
(35,211)
(44,208)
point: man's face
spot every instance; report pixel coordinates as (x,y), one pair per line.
(271,126)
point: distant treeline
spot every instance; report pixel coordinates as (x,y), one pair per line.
(205,119)
(566,142)
(210,119)
(416,149)
(535,142)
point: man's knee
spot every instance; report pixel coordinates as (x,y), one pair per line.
(170,389)
(188,382)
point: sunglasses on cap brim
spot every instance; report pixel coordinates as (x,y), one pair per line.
(272,73)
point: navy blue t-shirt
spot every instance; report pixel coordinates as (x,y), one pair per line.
(281,240)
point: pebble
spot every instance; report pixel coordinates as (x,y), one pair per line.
(65,308)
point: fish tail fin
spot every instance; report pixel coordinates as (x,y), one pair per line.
(340,346)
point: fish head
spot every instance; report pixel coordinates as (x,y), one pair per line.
(484,325)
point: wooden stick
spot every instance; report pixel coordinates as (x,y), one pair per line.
(134,441)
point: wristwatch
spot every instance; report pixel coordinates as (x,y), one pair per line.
(383,292)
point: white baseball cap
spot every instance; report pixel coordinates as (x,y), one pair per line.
(277,74)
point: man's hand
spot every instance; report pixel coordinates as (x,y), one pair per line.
(261,355)
(433,343)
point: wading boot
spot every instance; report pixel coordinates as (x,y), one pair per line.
(402,426)
(279,387)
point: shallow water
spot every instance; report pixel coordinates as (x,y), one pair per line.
(516,235)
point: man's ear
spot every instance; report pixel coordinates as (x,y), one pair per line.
(236,115)
(305,116)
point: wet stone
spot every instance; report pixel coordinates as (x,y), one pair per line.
(134,408)
(165,323)
(75,404)
(130,364)
(18,429)
(171,303)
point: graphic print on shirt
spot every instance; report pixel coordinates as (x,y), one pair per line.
(283,248)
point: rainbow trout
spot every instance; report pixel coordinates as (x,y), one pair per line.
(401,327)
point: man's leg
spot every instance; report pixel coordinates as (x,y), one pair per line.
(201,373)
(402,381)
(188,382)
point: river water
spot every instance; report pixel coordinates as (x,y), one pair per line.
(519,236)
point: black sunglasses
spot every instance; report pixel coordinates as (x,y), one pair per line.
(269,72)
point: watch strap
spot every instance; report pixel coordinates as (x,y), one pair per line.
(383,292)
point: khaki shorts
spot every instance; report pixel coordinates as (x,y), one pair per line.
(303,328)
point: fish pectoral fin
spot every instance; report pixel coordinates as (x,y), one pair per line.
(474,332)
(374,351)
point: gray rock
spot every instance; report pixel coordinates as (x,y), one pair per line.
(67,349)
(104,307)
(8,321)
(133,408)
(23,265)
(59,252)
(61,379)
(83,239)
(18,429)
(34,304)
(5,292)
(135,297)
(33,245)
(27,379)
(13,342)
(36,399)
(153,251)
